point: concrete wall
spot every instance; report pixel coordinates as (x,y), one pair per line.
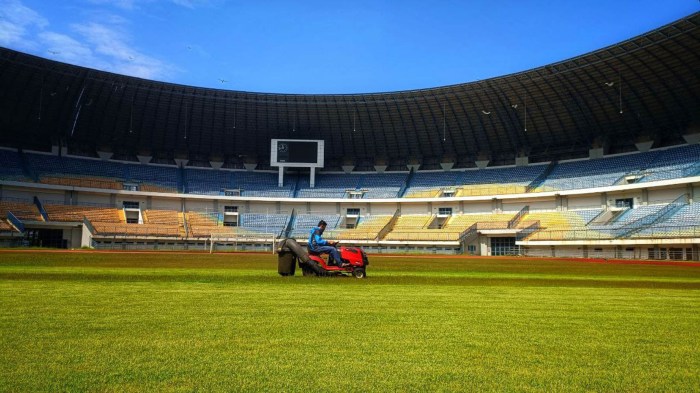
(584,202)
(657,196)
(167,204)
(477,207)
(413,208)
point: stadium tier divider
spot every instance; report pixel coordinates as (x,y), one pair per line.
(40,206)
(16,222)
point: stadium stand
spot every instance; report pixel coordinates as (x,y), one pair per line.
(368,228)
(370,186)
(154,178)
(11,167)
(21,209)
(664,164)
(6,227)
(416,228)
(274,223)
(67,213)
(137,230)
(304,222)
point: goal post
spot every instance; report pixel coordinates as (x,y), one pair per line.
(238,239)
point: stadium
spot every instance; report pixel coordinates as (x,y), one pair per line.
(596,156)
(536,231)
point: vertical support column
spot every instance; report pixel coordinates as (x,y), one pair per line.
(312,179)
(496,205)
(645,197)
(691,193)
(604,201)
(483,245)
(280,178)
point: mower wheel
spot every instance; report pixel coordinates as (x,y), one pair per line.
(359,273)
(305,271)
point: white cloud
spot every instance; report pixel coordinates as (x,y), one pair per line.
(17,22)
(65,48)
(193,3)
(102,42)
(123,4)
(131,5)
(111,45)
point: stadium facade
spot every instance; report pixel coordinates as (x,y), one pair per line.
(598,155)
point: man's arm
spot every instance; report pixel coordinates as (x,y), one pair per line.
(319,240)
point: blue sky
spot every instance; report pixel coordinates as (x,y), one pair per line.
(323,46)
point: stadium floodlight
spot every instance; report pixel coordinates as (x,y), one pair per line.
(486,113)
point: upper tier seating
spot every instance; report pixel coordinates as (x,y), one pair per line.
(83,172)
(673,163)
(662,164)
(154,178)
(208,182)
(489,181)
(599,172)
(11,166)
(375,185)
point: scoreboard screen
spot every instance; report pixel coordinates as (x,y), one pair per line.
(296,153)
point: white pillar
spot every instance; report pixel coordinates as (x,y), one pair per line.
(312,180)
(280,178)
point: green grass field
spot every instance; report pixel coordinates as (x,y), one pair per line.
(196,322)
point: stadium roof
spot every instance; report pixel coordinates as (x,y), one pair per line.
(647,87)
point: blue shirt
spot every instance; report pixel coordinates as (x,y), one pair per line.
(315,239)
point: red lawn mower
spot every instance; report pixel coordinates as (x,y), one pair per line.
(289,251)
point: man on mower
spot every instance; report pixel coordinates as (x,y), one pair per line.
(320,245)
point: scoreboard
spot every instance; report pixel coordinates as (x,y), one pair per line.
(304,153)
